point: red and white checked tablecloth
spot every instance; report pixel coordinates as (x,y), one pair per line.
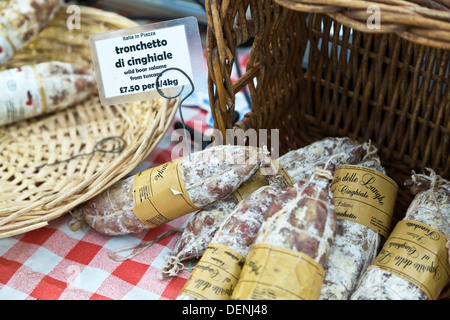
(55,262)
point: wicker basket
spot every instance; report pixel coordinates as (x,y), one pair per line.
(317,69)
(30,196)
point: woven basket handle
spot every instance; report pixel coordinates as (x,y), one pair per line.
(425,22)
(228,28)
(250,121)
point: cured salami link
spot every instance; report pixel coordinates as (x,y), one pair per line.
(58,68)
(300,220)
(33,90)
(426,219)
(20,21)
(241,227)
(111,212)
(203,224)
(207,176)
(298,164)
(199,231)
(332,152)
(236,234)
(354,248)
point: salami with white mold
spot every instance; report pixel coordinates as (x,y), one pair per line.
(217,272)
(42,88)
(20,21)
(413,263)
(355,246)
(286,260)
(194,181)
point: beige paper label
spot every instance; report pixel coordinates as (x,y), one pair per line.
(258,180)
(275,273)
(216,274)
(365,196)
(287,179)
(160,195)
(416,253)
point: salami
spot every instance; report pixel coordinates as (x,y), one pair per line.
(46,87)
(20,21)
(286,260)
(413,263)
(200,230)
(355,246)
(297,164)
(207,176)
(234,238)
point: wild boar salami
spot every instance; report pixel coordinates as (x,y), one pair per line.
(20,21)
(355,244)
(216,273)
(294,166)
(33,90)
(202,226)
(413,263)
(162,193)
(286,260)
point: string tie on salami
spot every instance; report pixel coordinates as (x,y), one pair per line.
(434,180)
(371,150)
(118,145)
(177,266)
(419,182)
(141,246)
(325,173)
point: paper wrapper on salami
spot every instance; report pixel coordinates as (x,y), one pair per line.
(163,193)
(364,200)
(286,260)
(32,90)
(413,263)
(20,21)
(290,168)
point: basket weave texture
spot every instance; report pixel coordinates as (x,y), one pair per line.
(316,70)
(30,196)
(425,22)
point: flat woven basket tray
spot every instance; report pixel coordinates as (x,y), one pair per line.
(31,196)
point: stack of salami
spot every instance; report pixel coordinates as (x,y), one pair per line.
(274,229)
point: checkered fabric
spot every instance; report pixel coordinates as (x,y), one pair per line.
(55,262)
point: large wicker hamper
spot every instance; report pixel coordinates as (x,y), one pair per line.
(318,69)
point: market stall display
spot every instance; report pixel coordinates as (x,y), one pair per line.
(318,69)
(355,95)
